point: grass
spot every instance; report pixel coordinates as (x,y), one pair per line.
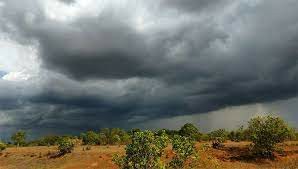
(232,155)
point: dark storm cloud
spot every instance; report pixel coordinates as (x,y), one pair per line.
(112,71)
(68,1)
(194,5)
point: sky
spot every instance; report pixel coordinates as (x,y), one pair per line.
(68,66)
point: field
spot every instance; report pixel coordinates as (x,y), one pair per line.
(232,155)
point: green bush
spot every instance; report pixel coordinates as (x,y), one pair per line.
(265,133)
(183,147)
(90,138)
(189,130)
(65,145)
(2,146)
(218,137)
(238,135)
(144,151)
(19,138)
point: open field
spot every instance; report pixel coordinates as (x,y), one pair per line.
(232,155)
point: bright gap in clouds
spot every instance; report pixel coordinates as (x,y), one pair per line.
(20,63)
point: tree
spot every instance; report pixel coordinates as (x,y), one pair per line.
(65,145)
(144,151)
(2,146)
(90,138)
(265,132)
(19,138)
(238,135)
(189,130)
(218,137)
(183,147)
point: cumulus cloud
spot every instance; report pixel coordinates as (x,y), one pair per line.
(133,62)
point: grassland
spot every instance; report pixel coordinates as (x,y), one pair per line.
(232,155)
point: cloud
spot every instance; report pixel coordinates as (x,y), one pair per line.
(159,60)
(68,1)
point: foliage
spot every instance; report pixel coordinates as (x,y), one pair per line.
(265,132)
(218,137)
(183,147)
(2,146)
(90,138)
(65,145)
(222,134)
(238,135)
(189,130)
(19,138)
(144,151)
(113,136)
(49,141)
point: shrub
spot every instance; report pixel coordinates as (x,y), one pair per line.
(265,133)
(19,138)
(218,137)
(48,141)
(90,138)
(237,135)
(2,146)
(65,146)
(189,130)
(183,147)
(144,151)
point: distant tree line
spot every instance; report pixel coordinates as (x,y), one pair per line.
(260,130)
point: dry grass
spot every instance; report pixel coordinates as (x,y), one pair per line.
(232,155)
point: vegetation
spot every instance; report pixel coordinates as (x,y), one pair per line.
(65,145)
(19,138)
(266,132)
(144,151)
(183,148)
(238,135)
(190,131)
(2,146)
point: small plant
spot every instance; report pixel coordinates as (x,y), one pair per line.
(144,151)
(217,142)
(265,133)
(183,148)
(2,146)
(65,146)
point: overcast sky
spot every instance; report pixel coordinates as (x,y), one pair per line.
(68,66)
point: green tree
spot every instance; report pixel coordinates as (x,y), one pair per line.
(265,132)
(2,146)
(183,147)
(19,138)
(189,130)
(65,145)
(144,151)
(90,138)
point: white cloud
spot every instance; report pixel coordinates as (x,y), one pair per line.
(17,76)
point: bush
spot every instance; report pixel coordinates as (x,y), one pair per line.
(90,138)
(183,148)
(2,146)
(237,135)
(144,151)
(218,137)
(189,130)
(265,133)
(65,146)
(19,138)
